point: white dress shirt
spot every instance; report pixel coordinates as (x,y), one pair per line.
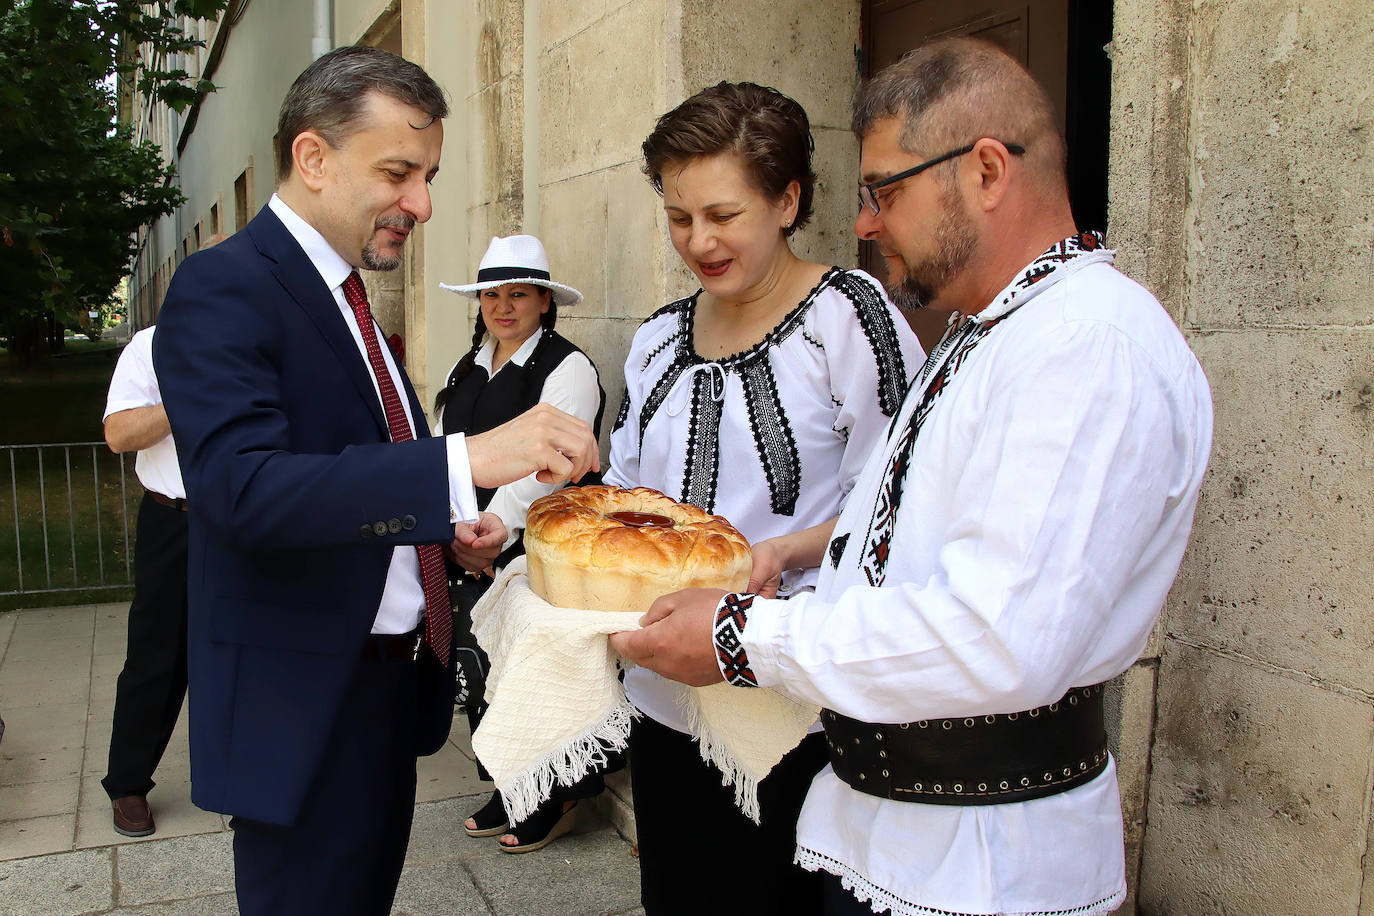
(403,599)
(1048,501)
(572,387)
(134,384)
(814,397)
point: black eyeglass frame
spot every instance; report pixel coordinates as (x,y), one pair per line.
(867,192)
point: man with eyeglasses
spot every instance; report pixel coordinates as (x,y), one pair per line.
(1004,553)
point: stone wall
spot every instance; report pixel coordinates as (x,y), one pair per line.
(552,139)
(1242,187)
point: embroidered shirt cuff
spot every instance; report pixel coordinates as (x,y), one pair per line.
(728,633)
(462,498)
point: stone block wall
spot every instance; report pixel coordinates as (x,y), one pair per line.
(563,94)
(1242,187)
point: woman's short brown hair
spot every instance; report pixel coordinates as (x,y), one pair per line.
(766,129)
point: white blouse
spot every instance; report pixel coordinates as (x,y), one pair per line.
(1044,512)
(572,387)
(772,438)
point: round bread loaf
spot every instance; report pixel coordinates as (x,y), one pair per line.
(611,549)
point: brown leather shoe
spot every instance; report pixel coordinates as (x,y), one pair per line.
(131,816)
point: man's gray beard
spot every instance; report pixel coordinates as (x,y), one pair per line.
(372,260)
(955,244)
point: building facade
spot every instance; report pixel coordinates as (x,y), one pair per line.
(1229,145)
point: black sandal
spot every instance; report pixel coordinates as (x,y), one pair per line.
(490,818)
(549,822)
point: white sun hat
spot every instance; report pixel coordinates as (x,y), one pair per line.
(515,259)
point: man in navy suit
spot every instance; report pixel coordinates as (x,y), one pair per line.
(319,643)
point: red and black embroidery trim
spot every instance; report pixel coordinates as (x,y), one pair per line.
(728,635)
(877,550)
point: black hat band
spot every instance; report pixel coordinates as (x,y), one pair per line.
(494,274)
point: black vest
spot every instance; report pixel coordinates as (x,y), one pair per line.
(476,402)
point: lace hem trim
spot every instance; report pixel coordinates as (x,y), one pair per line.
(882,900)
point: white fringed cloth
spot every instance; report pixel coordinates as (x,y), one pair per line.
(556,703)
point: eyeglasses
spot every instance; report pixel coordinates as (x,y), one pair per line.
(868,198)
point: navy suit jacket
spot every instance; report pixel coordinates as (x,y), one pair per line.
(289,469)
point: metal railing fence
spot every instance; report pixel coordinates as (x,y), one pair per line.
(71,518)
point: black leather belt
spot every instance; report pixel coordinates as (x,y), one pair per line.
(978,760)
(385,647)
(172,503)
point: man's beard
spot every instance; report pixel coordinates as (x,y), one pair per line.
(375,260)
(921,282)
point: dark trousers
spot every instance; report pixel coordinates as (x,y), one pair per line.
(690,830)
(152,686)
(343,855)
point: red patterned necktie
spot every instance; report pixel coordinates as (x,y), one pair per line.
(438,610)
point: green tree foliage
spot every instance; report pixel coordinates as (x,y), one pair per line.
(74,187)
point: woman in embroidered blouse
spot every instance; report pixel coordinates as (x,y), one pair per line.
(517,360)
(757,398)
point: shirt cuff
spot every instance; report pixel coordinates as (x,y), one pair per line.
(462,498)
(732,614)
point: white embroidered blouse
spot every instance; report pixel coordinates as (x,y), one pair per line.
(772,438)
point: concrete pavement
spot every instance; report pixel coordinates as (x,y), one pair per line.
(59,855)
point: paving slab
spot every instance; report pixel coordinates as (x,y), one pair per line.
(444,887)
(20,765)
(37,836)
(591,873)
(39,799)
(217,905)
(55,651)
(175,869)
(58,885)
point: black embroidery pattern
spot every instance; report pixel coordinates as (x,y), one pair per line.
(731,617)
(624,413)
(875,318)
(658,395)
(777,446)
(700,476)
(837,549)
(773,438)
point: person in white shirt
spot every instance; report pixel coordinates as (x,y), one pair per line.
(1004,552)
(152,683)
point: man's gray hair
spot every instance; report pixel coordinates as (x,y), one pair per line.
(953,91)
(329,95)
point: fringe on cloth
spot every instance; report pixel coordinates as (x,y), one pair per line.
(527,790)
(881,901)
(714,750)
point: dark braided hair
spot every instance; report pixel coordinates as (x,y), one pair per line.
(479,333)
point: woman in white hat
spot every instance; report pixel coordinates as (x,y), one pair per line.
(517,360)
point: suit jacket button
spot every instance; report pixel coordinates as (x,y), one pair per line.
(379,529)
(408,523)
(394,526)
(365,531)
